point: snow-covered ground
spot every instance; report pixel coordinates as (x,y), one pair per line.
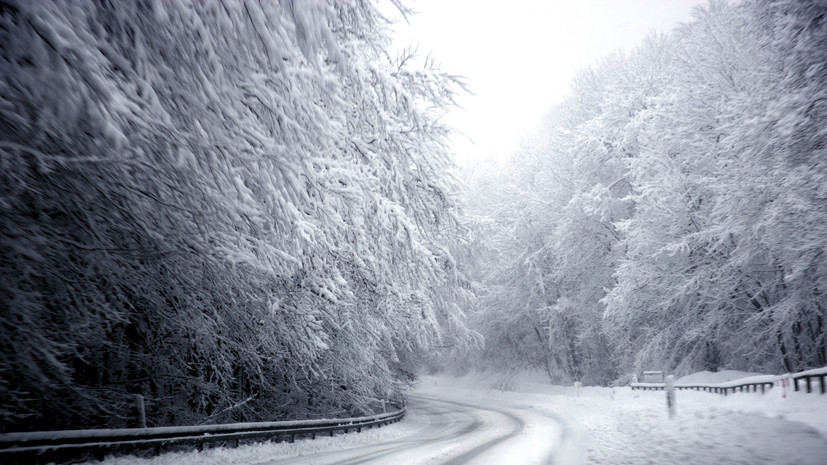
(621,426)
(484,418)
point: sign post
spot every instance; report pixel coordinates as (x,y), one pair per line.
(670,395)
(785,385)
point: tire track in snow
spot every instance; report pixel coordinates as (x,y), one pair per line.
(445,424)
(437,436)
(518,427)
(453,432)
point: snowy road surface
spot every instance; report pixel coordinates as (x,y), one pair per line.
(454,432)
(441,427)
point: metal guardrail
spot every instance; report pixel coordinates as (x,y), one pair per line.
(72,445)
(810,381)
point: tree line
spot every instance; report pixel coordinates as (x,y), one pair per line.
(670,212)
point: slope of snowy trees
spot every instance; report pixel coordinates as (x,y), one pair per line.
(672,211)
(240,210)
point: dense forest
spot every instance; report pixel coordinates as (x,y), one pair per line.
(239,210)
(671,213)
(248,211)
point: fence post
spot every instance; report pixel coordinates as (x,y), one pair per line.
(670,395)
(139,404)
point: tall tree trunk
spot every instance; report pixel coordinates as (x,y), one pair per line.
(784,356)
(545,351)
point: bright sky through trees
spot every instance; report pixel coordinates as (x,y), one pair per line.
(519,56)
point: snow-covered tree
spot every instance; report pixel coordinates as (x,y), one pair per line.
(716,232)
(240,210)
(558,240)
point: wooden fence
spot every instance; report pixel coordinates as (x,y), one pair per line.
(807,381)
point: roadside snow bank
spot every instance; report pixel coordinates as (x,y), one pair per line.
(708,377)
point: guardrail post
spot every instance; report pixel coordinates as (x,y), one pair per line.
(139,404)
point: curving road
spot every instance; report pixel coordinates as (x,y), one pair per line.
(455,431)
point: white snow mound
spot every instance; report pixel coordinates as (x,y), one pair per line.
(708,377)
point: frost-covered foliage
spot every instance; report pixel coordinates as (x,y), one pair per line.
(239,210)
(671,214)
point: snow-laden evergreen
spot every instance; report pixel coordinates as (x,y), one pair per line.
(240,210)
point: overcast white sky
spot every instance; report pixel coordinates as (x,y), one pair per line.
(519,55)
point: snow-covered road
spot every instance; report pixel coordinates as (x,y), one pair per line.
(439,428)
(452,431)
